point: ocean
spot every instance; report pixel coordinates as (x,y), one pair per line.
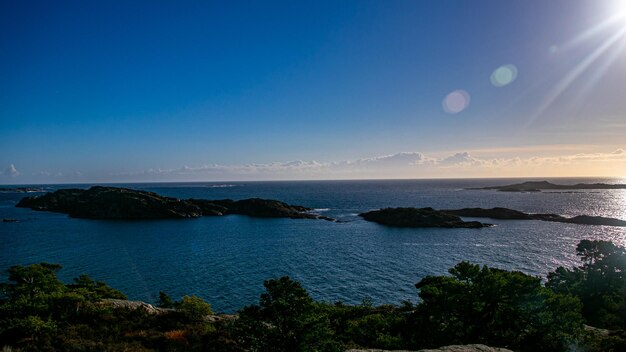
(226,259)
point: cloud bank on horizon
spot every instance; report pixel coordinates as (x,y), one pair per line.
(394,166)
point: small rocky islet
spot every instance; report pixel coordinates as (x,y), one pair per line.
(451,218)
(510,214)
(538,186)
(419,217)
(100,202)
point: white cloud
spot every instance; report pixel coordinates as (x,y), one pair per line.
(400,165)
(458,159)
(10,171)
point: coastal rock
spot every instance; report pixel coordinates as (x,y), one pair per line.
(150,309)
(122,203)
(133,305)
(594,220)
(418,217)
(451,348)
(510,214)
(208,208)
(111,203)
(493,213)
(264,208)
(467,348)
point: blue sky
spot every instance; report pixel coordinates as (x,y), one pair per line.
(141,91)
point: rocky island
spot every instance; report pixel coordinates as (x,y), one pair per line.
(538,186)
(451,218)
(418,217)
(100,202)
(510,214)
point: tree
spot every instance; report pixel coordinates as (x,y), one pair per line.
(165,301)
(97,289)
(194,308)
(494,307)
(600,283)
(30,281)
(285,320)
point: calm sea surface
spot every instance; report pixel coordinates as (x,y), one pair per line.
(225,259)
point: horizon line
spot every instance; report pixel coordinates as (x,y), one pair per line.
(319,180)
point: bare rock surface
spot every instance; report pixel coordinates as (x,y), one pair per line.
(451,348)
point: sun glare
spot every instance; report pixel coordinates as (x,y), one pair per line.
(618,10)
(613,28)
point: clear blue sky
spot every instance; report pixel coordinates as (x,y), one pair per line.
(105,90)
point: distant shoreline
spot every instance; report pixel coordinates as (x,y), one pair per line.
(207,182)
(538,186)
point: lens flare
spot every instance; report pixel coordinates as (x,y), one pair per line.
(504,75)
(456,101)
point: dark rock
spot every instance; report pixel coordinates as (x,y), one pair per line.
(596,220)
(510,214)
(265,208)
(493,213)
(122,203)
(10,220)
(452,348)
(418,217)
(208,207)
(112,203)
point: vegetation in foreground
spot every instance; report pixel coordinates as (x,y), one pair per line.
(473,305)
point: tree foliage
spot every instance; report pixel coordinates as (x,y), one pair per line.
(286,319)
(600,283)
(495,307)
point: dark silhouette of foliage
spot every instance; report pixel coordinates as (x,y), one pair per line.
(495,307)
(98,289)
(285,320)
(600,283)
(364,325)
(165,301)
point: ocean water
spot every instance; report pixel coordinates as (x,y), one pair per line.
(226,259)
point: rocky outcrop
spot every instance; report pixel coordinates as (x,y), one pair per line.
(592,220)
(510,214)
(537,186)
(266,208)
(451,348)
(150,309)
(133,305)
(122,203)
(467,348)
(418,217)
(111,203)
